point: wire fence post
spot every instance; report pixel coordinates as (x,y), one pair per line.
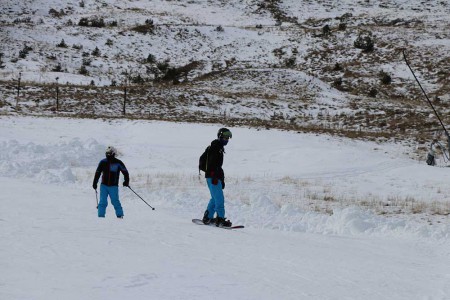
(125,93)
(57,94)
(18,88)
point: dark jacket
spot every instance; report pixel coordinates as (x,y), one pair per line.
(215,161)
(111,168)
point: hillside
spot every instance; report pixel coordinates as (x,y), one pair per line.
(320,66)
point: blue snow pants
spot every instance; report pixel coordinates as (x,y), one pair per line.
(113,192)
(216,204)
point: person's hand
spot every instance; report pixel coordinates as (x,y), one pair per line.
(125,183)
(215,181)
(223,184)
(94,185)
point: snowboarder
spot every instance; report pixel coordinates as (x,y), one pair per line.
(111,168)
(215,179)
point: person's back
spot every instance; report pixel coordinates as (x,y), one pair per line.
(110,168)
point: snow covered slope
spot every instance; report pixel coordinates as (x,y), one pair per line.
(305,237)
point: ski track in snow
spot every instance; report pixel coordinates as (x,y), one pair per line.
(54,246)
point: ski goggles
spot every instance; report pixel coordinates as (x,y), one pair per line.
(226,135)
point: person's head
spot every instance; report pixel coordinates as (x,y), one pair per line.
(110,152)
(223,135)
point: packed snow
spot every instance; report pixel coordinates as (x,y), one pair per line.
(294,245)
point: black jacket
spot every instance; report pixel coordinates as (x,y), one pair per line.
(111,169)
(215,161)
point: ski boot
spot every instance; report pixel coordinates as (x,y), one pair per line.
(206,220)
(221,222)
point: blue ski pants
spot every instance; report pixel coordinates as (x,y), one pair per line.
(113,192)
(217,202)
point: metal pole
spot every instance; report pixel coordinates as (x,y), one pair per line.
(18,89)
(57,94)
(125,94)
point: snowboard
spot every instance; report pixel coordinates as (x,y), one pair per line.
(200,222)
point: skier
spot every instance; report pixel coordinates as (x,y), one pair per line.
(111,168)
(215,179)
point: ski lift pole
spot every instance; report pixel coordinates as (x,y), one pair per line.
(426,96)
(141,198)
(428,99)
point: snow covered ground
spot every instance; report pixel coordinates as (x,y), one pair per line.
(308,233)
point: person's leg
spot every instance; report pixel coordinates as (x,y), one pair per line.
(114,195)
(103,201)
(217,198)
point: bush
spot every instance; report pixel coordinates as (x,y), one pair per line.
(86,61)
(83,22)
(385,78)
(77,46)
(144,29)
(96,52)
(54,13)
(62,44)
(337,67)
(326,30)
(24,52)
(373,92)
(163,66)
(83,70)
(150,59)
(24,20)
(290,62)
(137,79)
(98,22)
(337,82)
(57,68)
(365,42)
(94,22)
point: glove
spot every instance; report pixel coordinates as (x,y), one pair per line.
(223,184)
(94,185)
(215,181)
(125,183)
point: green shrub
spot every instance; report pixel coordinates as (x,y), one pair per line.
(365,42)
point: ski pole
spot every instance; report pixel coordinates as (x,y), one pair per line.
(96,197)
(141,198)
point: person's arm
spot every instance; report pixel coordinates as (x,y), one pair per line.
(98,172)
(214,169)
(126,176)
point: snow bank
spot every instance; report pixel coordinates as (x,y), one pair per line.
(50,163)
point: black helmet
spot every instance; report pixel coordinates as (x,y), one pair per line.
(224,133)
